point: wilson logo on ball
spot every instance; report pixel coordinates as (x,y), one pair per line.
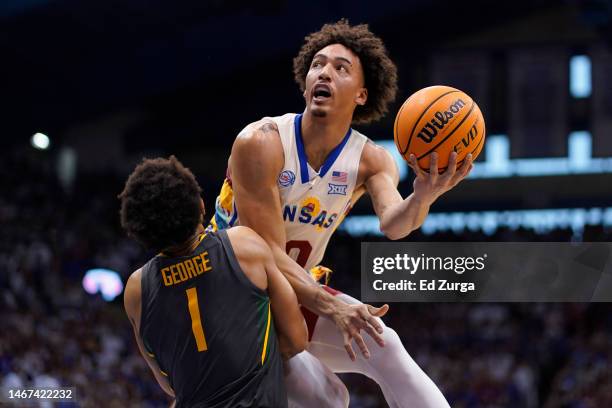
(430,130)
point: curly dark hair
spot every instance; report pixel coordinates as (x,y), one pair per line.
(379,71)
(160,204)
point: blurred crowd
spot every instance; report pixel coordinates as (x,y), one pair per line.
(52,333)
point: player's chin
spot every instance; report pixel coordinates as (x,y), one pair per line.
(318,112)
(319,109)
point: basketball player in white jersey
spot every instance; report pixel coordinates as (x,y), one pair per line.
(293,178)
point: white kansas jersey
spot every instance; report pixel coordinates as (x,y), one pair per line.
(312,203)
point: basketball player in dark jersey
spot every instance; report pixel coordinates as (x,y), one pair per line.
(202,308)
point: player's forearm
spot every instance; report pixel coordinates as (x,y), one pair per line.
(401,219)
(288,319)
(308,292)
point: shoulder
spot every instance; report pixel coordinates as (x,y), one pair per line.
(261,141)
(262,131)
(252,254)
(133,282)
(374,160)
(375,154)
(247,243)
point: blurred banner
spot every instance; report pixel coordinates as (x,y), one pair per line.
(538,102)
(486,272)
(602,101)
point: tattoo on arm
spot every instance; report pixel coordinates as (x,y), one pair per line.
(268,127)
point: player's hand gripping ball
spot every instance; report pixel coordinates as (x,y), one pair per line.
(439,119)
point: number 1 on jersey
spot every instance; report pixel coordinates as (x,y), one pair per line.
(196,321)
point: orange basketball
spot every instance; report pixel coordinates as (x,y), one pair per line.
(439,119)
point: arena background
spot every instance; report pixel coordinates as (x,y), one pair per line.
(104,83)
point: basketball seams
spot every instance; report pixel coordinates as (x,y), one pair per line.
(440,170)
(479,145)
(451,132)
(423,114)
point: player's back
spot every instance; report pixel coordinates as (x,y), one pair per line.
(210,329)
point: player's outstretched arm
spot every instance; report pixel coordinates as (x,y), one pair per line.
(132,303)
(256,161)
(257,262)
(399,217)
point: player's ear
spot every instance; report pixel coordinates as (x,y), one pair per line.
(304,94)
(362,96)
(202,209)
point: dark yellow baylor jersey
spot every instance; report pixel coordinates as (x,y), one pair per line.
(211,330)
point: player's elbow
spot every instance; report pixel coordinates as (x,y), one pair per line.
(294,343)
(290,348)
(302,341)
(393,232)
(390,234)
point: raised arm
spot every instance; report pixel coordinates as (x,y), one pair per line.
(399,217)
(256,161)
(132,303)
(257,262)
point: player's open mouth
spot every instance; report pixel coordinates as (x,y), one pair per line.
(321,93)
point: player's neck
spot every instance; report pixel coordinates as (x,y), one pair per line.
(321,135)
(186,247)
